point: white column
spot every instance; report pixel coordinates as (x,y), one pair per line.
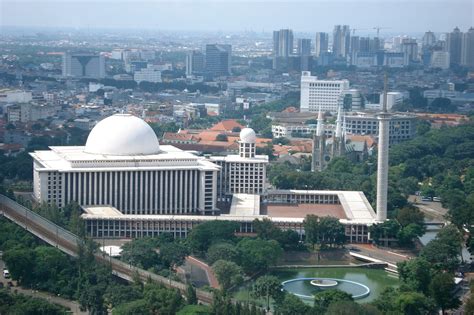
(146,187)
(161,196)
(382,167)
(186,191)
(137,192)
(175,207)
(125,191)
(155,193)
(181,191)
(98,182)
(167,193)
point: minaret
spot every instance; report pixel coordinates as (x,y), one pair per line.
(319,144)
(382,158)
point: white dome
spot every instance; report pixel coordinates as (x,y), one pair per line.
(248,135)
(122,134)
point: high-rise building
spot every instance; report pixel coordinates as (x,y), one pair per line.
(321,44)
(218,59)
(440,59)
(320,94)
(355,45)
(467,52)
(454,45)
(410,49)
(195,63)
(283,43)
(303,47)
(341,40)
(428,40)
(85,65)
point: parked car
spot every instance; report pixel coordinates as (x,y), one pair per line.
(6,273)
(424,198)
(438,199)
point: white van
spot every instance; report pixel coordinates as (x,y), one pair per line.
(6,273)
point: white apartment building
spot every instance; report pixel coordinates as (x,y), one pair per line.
(149,74)
(15,96)
(440,59)
(320,94)
(401,127)
(244,173)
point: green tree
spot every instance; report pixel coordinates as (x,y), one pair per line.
(257,255)
(137,307)
(413,303)
(409,214)
(311,229)
(444,251)
(291,305)
(350,308)
(266,287)
(161,300)
(141,252)
(228,274)
(226,251)
(407,234)
(386,230)
(442,290)
(195,310)
(191,297)
(323,299)
(207,233)
(173,254)
(20,262)
(415,274)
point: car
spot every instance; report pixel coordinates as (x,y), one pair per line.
(438,199)
(6,273)
(424,198)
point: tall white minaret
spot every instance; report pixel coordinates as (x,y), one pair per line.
(382,158)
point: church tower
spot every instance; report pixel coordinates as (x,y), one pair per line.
(339,139)
(319,145)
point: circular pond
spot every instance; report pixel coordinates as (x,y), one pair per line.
(306,288)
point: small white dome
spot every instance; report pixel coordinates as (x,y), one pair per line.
(122,134)
(248,135)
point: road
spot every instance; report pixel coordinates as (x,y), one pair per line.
(434,211)
(388,255)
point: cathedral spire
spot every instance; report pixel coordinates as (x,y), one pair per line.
(339,123)
(320,126)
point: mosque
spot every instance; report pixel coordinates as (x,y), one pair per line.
(129,185)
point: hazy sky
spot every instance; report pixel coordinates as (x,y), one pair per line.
(236,15)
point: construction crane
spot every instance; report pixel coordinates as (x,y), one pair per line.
(358,29)
(378,28)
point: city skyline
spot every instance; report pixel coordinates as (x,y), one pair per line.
(302,16)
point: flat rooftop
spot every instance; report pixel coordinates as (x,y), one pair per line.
(301,210)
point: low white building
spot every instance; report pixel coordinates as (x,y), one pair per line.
(149,74)
(15,96)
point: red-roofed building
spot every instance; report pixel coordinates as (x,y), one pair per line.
(227,125)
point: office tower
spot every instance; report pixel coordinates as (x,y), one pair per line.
(322,43)
(382,160)
(303,47)
(467,52)
(324,94)
(85,65)
(341,40)
(454,45)
(283,43)
(428,40)
(355,45)
(195,62)
(218,59)
(410,49)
